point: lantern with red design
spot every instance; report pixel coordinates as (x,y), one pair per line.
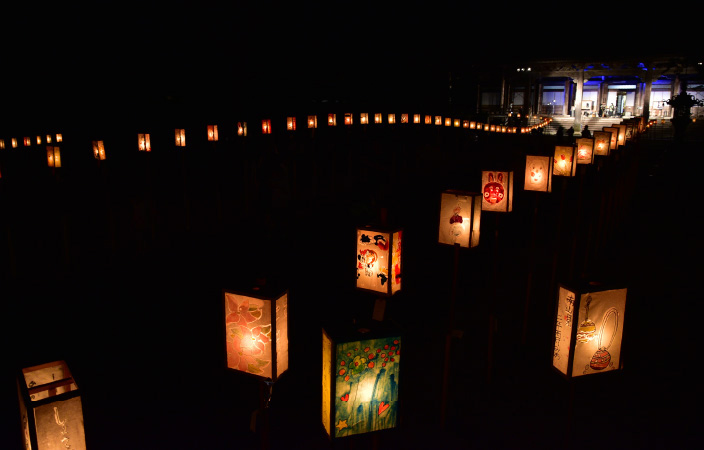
(460,215)
(563,164)
(379,260)
(538,173)
(585,150)
(497,191)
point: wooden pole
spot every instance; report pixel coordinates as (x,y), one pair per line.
(448,338)
(529,281)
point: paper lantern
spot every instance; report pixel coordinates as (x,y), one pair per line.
(180,137)
(448,122)
(332,119)
(266,126)
(460,215)
(379,260)
(53,156)
(538,173)
(59,137)
(144,142)
(312,121)
(613,144)
(472,125)
(621,133)
(392,118)
(360,380)
(486,127)
(492,128)
(242,129)
(377,118)
(456,123)
(13,142)
(48,139)
(39,140)
(404,118)
(438,120)
(416,118)
(602,143)
(563,163)
(348,118)
(2,144)
(588,329)
(428,120)
(27,142)
(291,123)
(51,412)
(364,118)
(212,133)
(497,190)
(465,124)
(256,331)
(585,150)
(99,150)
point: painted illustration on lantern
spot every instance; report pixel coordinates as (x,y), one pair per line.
(587,328)
(537,175)
(248,335)
(396,261)
(372,260)
(456,223)
(563,161)
(601,359)
(536,172)
(494,189)
(366,386)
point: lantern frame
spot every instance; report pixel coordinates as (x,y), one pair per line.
(392,253)
(448,234)
(53,156)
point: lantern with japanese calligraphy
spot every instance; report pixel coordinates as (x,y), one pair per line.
(180,137)
(497,190)
(212,133)
(602,143)
(98,150)
(538,173)
(51,411)
(588,329)
(460,216)
(563,164)
(144,143)
(360,379)
(266,126)
(53,156)
(379,260)
(291,123)
(585,150)
(312,121)
(256,331)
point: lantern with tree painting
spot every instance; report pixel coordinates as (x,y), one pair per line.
(256,331)
(602,143)
(589,321)
(563,164)
(497,191)
(585,150)
(538,175)
(379,260)
(360,379)
(51,411)
(460,216)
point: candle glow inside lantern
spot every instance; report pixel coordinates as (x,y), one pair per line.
(360,380)
(2,144)
(428,120)
(497,190)
(438,120)
(448,122)
(613,144)
(332,119)
(585,150)
(602,143)
(59,137)
(48,139)
(392,118)
(312,121)
(364,118)
(212,133)
(180,137)
(588,329)
(241,128)
(379,260)
(51,411)
(472,125)
(39,140)
(416,118)
(144,143)
(53,156)
(348,118)
(377,118)
(13,142)
(291,123)
(563,162)
(256,331)
(621,133)
(465,124)
(266,126)
(460,216)
(27,142)
(404,118)
(99,150)
(538,173)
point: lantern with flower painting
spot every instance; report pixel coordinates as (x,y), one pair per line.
(563,164)
(51,411)
(256,331)
(460,215)
(497,191)
(589,321)
(53,156)
(602,143)
(538,175)
(379,260)
(360,379)
(585,150)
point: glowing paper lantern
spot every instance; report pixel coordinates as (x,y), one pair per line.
(180,137)
(53,156)
(497,190)
(364,118)
(614,136)
(588,329)
(266,126)
(428,120)
(51,412)
(448,122)
(144,143)
(212,133)
(360,380)
(256,331)
(379,260)
(438,120)
(48,139)
(377,118)
(392,118)
(13,142)
(99,150)
(465,124)
(585,150)
(312,121)
(59,137)
(538,173)
(39,140)
(27,142)
(472,125)
(563,163)
(404,118)
(621,133)
(332,119)
(348,118)
(602,143)
(291,123)
(416,118)
(460,215)
(2,144)
(486,127)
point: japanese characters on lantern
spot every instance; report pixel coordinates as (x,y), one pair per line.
(460,216)
(497,191)
(379,260)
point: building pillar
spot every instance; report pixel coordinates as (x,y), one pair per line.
(567,103)
(646,96)
(578,101)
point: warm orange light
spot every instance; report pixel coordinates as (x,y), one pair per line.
(486,127)
(438,120)
(59,137)
(428,120)
(348,118)
(98,150)
(39,140)
(180,137)
(48,139)
(144,143)
(448,122)
(2,144)
(465,124)
(472,125)
(241,128)
(332,120)
(27,142)
(404,118)
(312,121)
(291,123)
(266,126)
(364,118)
(53,156)
(392,118)
(377,118)
(13,142)
(416,118)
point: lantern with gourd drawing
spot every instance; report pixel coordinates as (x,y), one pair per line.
(53,156)
(585,150)
(180,137)
(212,133)
(588,323)
(99,150)
(144,142)
(51,411)
(360,379)
(379,260)
(256,331)
(497,191)
(538,175)
(602,143)
(564,164)
(460,216)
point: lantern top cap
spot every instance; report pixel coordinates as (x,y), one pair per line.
(587,286)
(356,331)
(261,291)
(380,228)
(460,192)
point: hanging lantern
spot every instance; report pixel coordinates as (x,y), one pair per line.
(404,118)
(144,143)
(180,135)
(538,173)
(312,121)
(460,214)
(256,331)
(53,156)
(588,329)
(291,123)
(51,412)
(602,143)
(332,119)
(13,142)
(348,118)
(563,163)
(497,190)
(585,150)
(428,120)
(364,118)
(379,260)
(377,118)
(392,118)
(266,126)
(360,380)
(98,150)
(416,118)
(242,129)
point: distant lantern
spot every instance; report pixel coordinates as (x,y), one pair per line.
(472,125)
(360,379)
(377,118)
(48,139)
(53,156)
(465,124)
(497,191)
(39,140)
(59,137)
(256,331)
(613,145)
(621,133)
(392,118)
(144,142)
(438,120)
(348,119)
(492,128)
(364,118)
(460,216)
(486,127)
(379,260)
(242,129)
(13,142)
(588,329)
(27,142)
(312,121)
(98,150)
(602,143)
(564,164)
(448,122)
(266,126)
(51,412)
(428,119)
(2,144)
(456,123)
(538,173)
(180,137)
(404,118)
(291,123)
(585,150)
(212,133)
(332,119)
(416,118)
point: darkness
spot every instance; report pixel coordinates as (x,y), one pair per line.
(117,267)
